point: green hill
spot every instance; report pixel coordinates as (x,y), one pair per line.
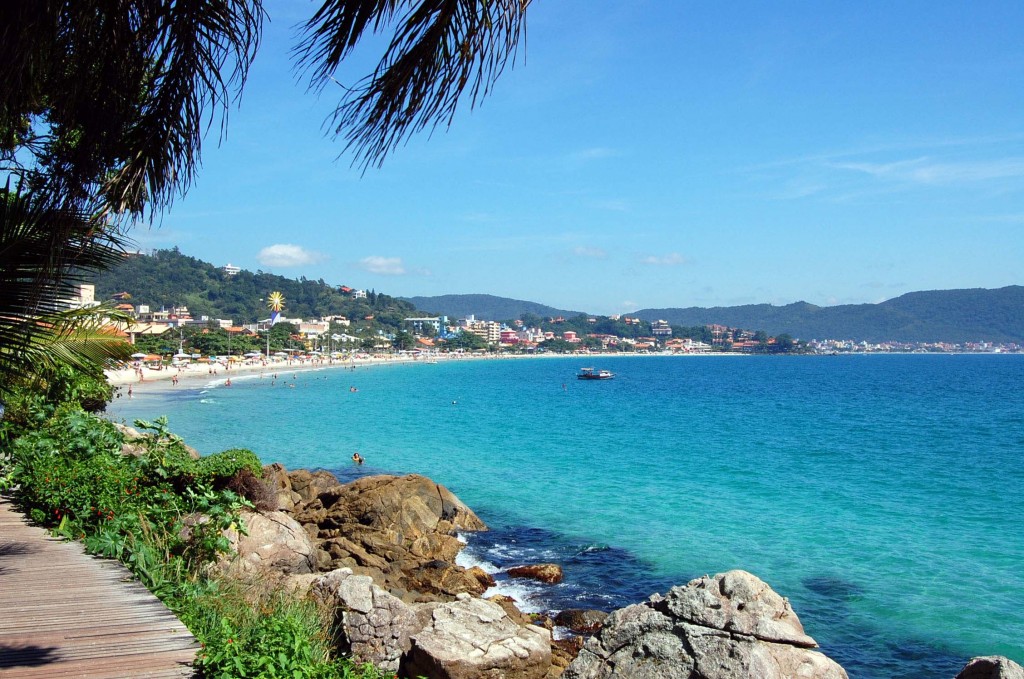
(168,278)
(932,316)
(485,307)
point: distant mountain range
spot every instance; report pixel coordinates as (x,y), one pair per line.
(976,314)
(485,307)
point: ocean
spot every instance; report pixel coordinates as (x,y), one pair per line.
(881,493)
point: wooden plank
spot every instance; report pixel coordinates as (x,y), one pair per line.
(64,613)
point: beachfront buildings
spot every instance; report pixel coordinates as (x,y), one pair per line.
(427,325)
(661,329)
(489,331)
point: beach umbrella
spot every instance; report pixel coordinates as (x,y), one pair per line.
(138,355)
(182,355)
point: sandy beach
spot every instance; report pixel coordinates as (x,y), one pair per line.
(142,377)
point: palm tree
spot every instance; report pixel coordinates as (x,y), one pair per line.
(44,254)
(105,104)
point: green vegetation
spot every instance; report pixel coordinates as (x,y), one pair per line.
(486,307)
(164,515)
(168,278)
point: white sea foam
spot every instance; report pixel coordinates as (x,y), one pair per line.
(468,559)
(527,594)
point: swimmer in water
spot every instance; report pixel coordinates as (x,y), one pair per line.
(357,458)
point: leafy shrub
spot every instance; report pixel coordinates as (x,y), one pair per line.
(163,515)
(220,467)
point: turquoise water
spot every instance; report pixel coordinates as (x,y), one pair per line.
(881,494)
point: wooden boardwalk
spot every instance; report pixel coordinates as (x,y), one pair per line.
(66,614)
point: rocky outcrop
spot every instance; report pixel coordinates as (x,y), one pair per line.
(581,621)
(550,573)
(456,640)
(726,627)
(399,530)
(277,478)
(372,626)
(991,667)
(475,639)
(275,541)
(307,485)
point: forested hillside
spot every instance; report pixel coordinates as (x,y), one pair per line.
(169,278)
(932,316)
(485,307)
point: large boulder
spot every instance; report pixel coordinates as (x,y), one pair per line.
(400,530)
(991,667)
(730,626)
(275,541)
(475,639)
(280,482)
(551,573)
(371,625)
(307,485)
(405,507)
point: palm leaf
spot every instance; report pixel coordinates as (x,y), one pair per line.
(439,49)
(45,252)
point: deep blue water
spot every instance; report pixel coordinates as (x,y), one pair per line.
(881,494)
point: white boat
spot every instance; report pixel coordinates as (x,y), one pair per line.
(594,374)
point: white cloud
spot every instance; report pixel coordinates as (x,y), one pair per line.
(928,171)
(385,266)
(590,253)
(672,259)
(286,254)
(594,153)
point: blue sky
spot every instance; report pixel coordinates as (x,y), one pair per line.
(651,154)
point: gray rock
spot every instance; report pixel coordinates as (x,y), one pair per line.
(991,667)
(726,627)
(275,541)
(372,625)
(476,639)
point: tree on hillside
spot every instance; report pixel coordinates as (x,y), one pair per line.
(105,105)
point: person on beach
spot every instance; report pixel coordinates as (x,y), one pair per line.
(227,382)
(129,391)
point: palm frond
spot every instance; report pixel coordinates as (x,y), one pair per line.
(45,252)
(125,90)
(83,339)
(198,55)
(439,49)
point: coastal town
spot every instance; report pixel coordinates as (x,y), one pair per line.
(175,332)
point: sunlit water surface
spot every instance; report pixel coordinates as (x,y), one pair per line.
(883,495)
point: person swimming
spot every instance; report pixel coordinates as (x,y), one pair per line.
(357,458)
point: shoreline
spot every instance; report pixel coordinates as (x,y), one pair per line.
(193,372)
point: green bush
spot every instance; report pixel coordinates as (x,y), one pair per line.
(164,515)
(219,468)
